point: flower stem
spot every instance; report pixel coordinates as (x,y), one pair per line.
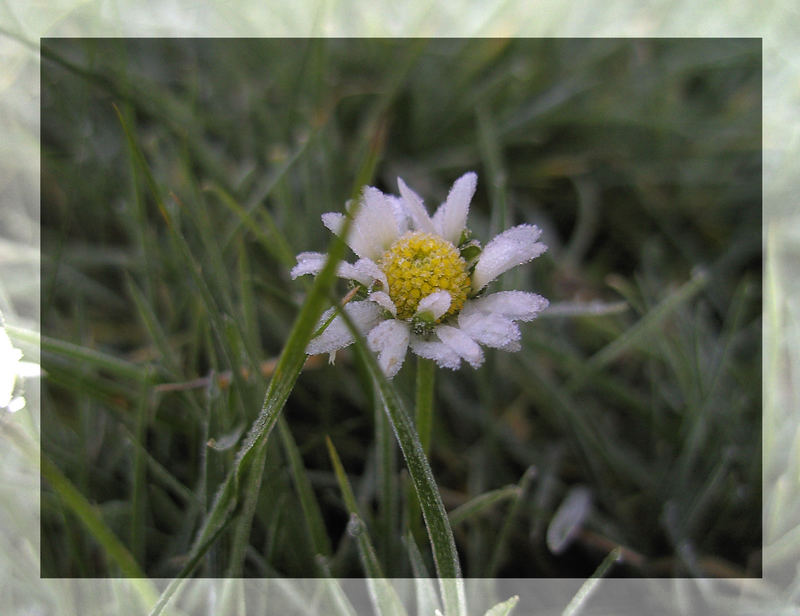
(424,417)
(424,423)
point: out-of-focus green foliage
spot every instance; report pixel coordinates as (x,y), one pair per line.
(641,161)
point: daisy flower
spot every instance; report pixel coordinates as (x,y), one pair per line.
(421,280)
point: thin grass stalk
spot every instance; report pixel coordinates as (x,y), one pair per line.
(387,484)
(482,502)
(505,531)
(424,588)
(139,484)
(588,587)
(244,523)
(287,369)
(312,516)
(339,602)
(91,519)
(383,594)
(440,534)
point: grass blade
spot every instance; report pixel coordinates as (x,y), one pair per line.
(387,484)
(272,241)
(440,534)
(87,514)
(481,502)
(339,602)
(491,154)
(79,355)
(427,601)
(308,502)
(139,483)
(383,595)
(287,369)
(505,531)
(589,585)
(241,534)
(636,333)
(83,510)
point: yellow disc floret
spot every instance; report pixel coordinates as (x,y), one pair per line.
(419,263)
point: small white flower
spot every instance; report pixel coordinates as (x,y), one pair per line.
(422,283)
(12,368)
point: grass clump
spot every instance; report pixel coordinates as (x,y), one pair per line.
(180,178)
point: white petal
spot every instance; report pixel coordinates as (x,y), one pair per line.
(443,355)
(364,271)
(513,247)
(367,271)
(308,263)
(415,208)
(461,343)
(365,315)
(389,340)
(490,329)
(375,224)
(333,221)
(384,301)
(400,213)
(451,217)
(516,305)
(375,227)
(435,304)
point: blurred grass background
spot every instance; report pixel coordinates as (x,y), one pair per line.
(641,161)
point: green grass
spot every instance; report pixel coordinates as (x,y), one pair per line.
(180,177)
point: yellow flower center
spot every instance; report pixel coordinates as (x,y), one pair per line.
(418,264)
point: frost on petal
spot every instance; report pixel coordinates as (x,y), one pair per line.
(461,343)
(451,217)
(364,271)
(400,212)
(308,263)
(513,247)
(333,221)
(512,346)
(389,340)
(384,301)
(443,355)
(368,270)
(516,305)
(415,208)
(365,315)
(435,304)
(375,227)
(490,329)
